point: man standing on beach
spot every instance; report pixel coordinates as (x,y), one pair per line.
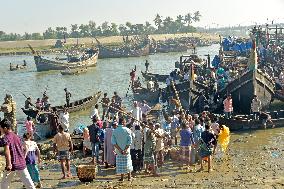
(255,107)
(68,96)
(63,146)
(121,139)
(15,158)
(95,133)
(228,106)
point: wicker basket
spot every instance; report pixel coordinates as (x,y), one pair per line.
(86,173)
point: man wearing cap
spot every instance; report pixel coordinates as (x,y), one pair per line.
(68,96)
(255,107)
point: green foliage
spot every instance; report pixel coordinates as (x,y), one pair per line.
(167,25)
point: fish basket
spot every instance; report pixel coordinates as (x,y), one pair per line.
(86,173)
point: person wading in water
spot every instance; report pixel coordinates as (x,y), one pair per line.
(67,95)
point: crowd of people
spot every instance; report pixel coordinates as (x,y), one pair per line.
(134,144)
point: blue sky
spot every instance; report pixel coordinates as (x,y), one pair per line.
(37,15)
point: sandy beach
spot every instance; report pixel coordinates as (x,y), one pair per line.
(254,160)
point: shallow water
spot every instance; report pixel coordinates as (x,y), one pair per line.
(110,75)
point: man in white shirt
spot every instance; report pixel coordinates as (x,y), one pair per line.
(136,113)
(150,85)
(145,108)
(64,120)
(95,112)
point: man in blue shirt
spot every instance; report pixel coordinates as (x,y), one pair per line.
(122,139)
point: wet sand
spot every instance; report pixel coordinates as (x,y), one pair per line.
(254,160)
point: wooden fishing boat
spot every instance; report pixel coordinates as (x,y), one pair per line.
(162,78)
(166,48)
(124,52)
(244,122)
(188,97)
(18,67)
(151,97)
(78,105)
(243,89)
(75,71)
(128,50)
(279,95)
(156,77)
(88,59)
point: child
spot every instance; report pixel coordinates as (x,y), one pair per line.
(86,142)
(32,153)
(30,127)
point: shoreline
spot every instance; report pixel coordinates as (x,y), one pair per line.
(247,165)
(9,48)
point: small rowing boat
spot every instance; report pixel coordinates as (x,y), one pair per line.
(78,105)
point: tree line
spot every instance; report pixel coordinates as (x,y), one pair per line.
(162,25)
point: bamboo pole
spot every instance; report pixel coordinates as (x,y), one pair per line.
(129,114)
(177,96)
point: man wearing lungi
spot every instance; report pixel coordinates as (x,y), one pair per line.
(121,139)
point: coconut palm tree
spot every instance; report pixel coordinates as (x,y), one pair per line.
(196,17)
(158,21)
(188,19)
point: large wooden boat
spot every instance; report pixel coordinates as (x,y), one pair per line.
(75,71)
(245,122)
(155,77)
(88,59)
(279,95)
(18,67)
(124,52)
(78,105)
(166,48)
(253,82)
(128,50)
(151,97)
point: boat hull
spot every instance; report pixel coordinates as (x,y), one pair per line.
(151,97)
(110,53)
(46,65)
(75,106)
(243,89)
(238,124)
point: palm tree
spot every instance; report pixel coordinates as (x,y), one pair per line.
(196,16)
(130,26)
(188,19)
(158,21)
(179,19)
(167,22)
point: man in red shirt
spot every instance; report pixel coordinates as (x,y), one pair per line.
(15,159)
